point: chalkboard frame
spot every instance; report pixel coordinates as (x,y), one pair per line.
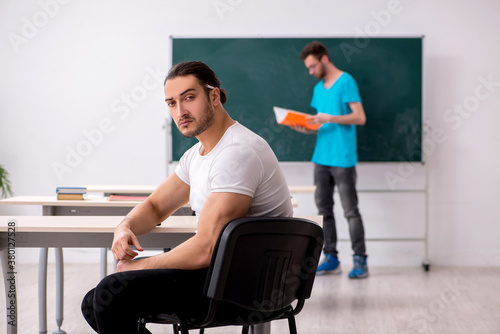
(390,135)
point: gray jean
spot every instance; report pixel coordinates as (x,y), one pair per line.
(325,179)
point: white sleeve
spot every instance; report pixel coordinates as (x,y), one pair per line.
(182,169)
(236,169)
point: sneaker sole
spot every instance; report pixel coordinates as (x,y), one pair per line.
(365,275)
(329,272)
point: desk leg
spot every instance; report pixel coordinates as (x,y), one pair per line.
(59,290)
(262,328)
(42,291)
(104,262)
(10,293)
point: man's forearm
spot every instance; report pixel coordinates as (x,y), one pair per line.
(348,119)
(189,255)
(141,219)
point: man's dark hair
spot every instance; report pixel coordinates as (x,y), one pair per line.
(204,74)
(314,48)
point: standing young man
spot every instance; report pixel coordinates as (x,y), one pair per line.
(230,173)
(339,109)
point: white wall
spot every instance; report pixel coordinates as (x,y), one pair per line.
(84,76)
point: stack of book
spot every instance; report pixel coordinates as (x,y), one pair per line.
(71,193)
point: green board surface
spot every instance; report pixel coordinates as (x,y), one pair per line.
(259,73)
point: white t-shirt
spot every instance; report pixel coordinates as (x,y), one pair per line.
(242,163)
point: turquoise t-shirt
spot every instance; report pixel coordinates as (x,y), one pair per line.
(336,143)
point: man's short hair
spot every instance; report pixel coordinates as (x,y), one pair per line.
(201,71)
(315,48)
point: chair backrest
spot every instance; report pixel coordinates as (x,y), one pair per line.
(263,263)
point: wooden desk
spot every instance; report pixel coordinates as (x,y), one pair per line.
(64,231)
(53,201)
(92,206)
(146,190)
(60,231)
(302,189)
(90,231)
(53,207)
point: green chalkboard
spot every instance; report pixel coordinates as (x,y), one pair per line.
(259,73)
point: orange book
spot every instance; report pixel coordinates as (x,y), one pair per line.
(292,118)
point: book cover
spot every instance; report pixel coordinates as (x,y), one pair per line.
(71,190)
(293,118)
(70,196)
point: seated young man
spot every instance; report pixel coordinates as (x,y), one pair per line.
(230,173)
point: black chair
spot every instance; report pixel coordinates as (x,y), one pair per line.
(259,267)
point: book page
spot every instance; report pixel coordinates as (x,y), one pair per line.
(280,114)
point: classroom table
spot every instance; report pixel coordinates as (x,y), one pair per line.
(148,189)
(78,231)
(90,206)
(51,206)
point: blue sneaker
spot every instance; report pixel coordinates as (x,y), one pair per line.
(330,265)
(360,269)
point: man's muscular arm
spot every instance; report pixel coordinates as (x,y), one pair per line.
(196,252)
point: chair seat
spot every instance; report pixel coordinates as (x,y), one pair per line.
(227,314)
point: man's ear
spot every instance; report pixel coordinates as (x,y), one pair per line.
(324,59)
(214,95)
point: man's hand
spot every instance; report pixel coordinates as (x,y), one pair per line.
(319,119)
(356,117)
(123,238)
(303,129)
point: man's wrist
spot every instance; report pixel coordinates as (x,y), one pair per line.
(124,225)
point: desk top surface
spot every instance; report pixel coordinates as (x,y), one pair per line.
(148,189)
(53,201)
(92,224)
(88,202)
(98,224)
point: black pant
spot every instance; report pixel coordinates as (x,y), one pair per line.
(117,302)
(325,179)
